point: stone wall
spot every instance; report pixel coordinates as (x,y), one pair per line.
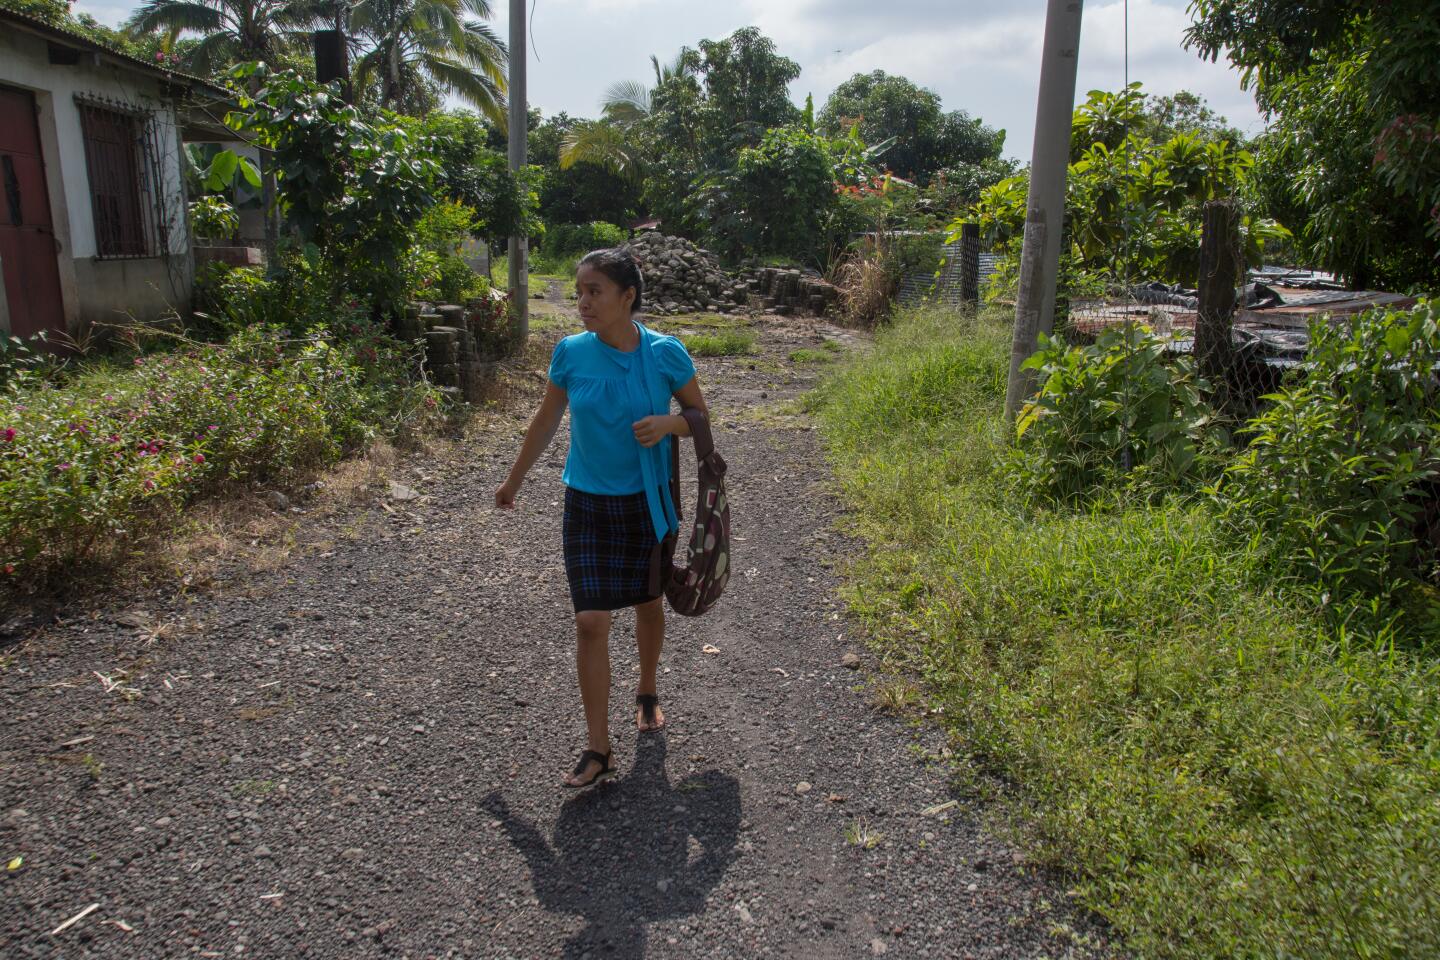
(455,345)
(784,290)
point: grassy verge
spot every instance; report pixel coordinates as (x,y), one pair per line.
(724,343)
(1224,771)
(94,462)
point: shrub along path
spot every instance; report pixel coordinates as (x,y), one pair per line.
(359,754)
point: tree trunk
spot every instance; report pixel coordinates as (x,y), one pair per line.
(1221,266)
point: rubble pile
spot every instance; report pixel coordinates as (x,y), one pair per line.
(682,278)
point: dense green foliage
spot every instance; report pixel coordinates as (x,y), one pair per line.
(1133,205)
(1351,90)
(229,31)
(1108,415)
(1339,469)
(926,138)
(407,53)
(1225,768)
(578,192)
(472,172)
(775,200)
(351,189)
(91,463)
(581,238)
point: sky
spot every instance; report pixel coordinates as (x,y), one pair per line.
(980,56)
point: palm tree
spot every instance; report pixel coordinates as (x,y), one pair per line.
(411,41)
(609,142)
(231,31)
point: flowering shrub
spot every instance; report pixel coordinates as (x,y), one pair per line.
(89,462)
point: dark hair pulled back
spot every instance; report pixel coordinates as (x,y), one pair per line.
(620,265)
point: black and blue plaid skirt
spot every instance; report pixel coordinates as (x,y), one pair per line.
(609,547)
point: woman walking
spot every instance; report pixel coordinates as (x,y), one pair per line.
(617,379)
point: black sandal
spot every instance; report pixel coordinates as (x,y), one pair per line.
(585,758)
(647,702)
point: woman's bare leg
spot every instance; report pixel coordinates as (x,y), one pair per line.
(650,637)
(592,664)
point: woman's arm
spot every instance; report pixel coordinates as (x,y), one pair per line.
(652,430)
(537,437)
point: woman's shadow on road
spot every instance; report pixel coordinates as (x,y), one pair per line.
(630,852)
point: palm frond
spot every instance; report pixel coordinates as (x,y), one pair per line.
(482,51)
(626,101)
(168,15)
(210,54)
(457,78)
(602,144)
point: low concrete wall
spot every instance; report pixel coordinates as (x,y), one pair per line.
(113,291)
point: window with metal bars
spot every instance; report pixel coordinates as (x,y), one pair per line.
(121,182)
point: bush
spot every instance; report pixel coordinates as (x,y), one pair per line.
(564,239)
(1109,414)
(1338,466)
(213,218)
(86,463)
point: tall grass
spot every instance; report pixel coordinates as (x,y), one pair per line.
(1224,774)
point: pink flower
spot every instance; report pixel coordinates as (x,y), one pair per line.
(63,466)
(213,427)
(9,434)
(199,458)
(149,484)
(9,568)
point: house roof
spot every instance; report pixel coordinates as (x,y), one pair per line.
(75,40)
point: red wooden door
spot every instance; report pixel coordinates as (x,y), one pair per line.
(27,235)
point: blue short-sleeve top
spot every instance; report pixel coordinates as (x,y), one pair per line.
(607,393)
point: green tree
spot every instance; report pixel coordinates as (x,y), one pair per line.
(747,91)
(579,192)
(1185,112)
(472,173)
(1351,91)
(774,200)
(229,31)
(441,42)
(1133,206)
(927,138)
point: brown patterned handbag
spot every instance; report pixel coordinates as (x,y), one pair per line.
(694,588)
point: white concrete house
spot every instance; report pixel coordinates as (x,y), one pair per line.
(93,226)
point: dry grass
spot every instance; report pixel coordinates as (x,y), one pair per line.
(867,290)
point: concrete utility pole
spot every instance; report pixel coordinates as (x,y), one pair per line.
(519,132)
(1045,217)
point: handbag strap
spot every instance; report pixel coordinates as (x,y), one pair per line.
(699,431)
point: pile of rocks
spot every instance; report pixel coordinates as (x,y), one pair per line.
(451,333)
(681,277)
(784,290)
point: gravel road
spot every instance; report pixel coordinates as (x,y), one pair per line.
(358,754)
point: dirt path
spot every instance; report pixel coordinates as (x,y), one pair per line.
(357,755)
